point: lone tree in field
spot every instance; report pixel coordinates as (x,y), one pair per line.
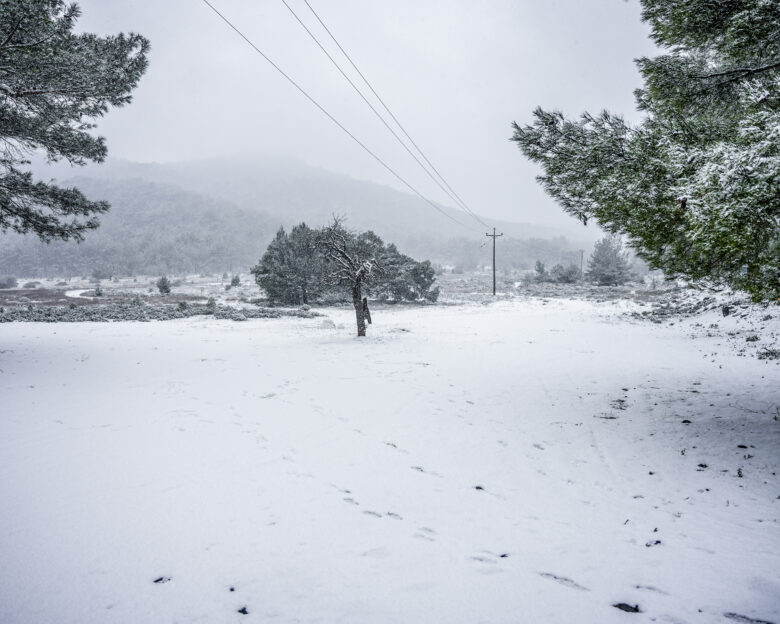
(353,262)
(53,85)
(164,285)
(306,266)
(292,270)
(608,264)
(694,186)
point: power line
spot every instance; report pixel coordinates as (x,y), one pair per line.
(379,116)
(331,117)
(394,118)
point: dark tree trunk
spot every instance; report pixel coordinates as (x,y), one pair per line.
(366,311)
(357,301)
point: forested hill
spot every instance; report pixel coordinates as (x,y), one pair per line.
(151,229)
(291,192)
(229,212)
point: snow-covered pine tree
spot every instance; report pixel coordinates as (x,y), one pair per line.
(53,85)
(608,264)
(695,186)
(404,278)
(164,285)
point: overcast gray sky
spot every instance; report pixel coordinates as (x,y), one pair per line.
(455,72)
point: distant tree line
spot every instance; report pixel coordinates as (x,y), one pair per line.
(469,254)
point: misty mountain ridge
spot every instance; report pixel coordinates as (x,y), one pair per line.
(290,192)
(209,216)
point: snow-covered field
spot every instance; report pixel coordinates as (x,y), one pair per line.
(525,461)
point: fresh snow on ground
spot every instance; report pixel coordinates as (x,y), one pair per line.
(75,294)
(525,461)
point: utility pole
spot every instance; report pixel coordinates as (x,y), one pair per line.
(494,236)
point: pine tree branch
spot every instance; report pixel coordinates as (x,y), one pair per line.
(744,71)
(12,33)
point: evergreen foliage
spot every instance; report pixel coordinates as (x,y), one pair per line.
(405,279)
(53,84)
(299,267)
(608,264)
(164,285)
(291,270)
(695,186)
(559,274)
(565,274)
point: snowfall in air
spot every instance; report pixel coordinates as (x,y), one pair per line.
(524,461)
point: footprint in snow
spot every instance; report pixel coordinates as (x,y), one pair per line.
(373,513)
(745,619)
(162,579)
(393,445)
(627,607)
(424,471)
(487,556)
(566,582)
(426,534)
(652,589)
